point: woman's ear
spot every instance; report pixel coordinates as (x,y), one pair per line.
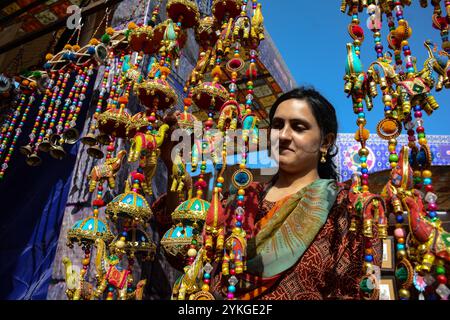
(327,142)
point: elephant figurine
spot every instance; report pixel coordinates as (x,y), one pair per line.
(257,30)
(180,177)
(229,116)
(146,143)
(208,143)
(191,281)
(368,207)
(441,65)
(109,275)
(106,171)
(356,79)
(235,249)
(250,128)
(242,26)
(427,239)
(383,73)
(77,288)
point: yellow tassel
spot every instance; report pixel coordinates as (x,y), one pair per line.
(132,26)
(68,46)
(75,47)
(48,56)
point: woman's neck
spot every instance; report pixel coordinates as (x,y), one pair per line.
(295,181)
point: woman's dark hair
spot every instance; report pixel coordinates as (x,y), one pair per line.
(325,115)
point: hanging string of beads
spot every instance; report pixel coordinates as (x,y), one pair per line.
(17,133)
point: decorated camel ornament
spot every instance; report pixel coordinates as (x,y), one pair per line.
(77,288)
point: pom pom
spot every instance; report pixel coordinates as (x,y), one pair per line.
(364,135)
(48,56)
(25,82)
(109,31)
(106,38)
(188,102)
(132,26)
(47,65)
(123,100)
(68,47)
(94,42)
(137,176)
(76,47)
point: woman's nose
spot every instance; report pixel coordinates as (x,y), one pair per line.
(285,133)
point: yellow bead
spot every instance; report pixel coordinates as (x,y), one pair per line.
(422,141)
(427,174)
(205,287)
(241,192)
(220,180)
(391,148)
(365,188)
(417,173)
(363,165)
(242,166)
(199,193)
(393,165)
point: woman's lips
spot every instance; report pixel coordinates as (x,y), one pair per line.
(282,149)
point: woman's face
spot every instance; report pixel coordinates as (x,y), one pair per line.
(297,136)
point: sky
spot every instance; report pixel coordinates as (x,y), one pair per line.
(311,37)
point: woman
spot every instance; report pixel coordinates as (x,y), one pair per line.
(300,246)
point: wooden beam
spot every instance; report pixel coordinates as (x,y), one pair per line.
(54,26)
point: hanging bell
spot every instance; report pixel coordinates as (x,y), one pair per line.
(58,152)
(26,150)
(104,139)
(33,160)
(45,145)
(95,152)
(89,139)
(71,136)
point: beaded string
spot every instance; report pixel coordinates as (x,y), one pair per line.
(10,124)
(18,131)
(55,101)
(42,109)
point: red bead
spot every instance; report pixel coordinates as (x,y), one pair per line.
(429,188)
(368,244)
(206,281)
(442,279)
(420,129)
(232,272)
(240,203)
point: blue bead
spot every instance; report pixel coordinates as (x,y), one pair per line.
(410,70)
(417,108)
(399,219)
(406,48)
(47,65)
(219,185)
(238,224)
(368,258)
(400,246)
(361,115)
(124,233)
(387,108)
(377,39)
(91,50)
(241,198)
(432,214)
(427,181)
(363,159)
(232,289)
(356,48)
(249,101)
(364,170)
(111,289)
(207,276)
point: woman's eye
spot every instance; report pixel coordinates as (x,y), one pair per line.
(299,128)
(278,125)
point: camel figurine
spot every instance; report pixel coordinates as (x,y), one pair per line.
(180,177)
(77,288)
(428,236)
(106,171)
(146,142)
(108,274)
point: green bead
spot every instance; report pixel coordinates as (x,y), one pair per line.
(401,274)
(421,135)
(440,270)
(393,158)
(203,167)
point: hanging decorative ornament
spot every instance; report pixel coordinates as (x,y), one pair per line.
(183,12)
(223,10)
